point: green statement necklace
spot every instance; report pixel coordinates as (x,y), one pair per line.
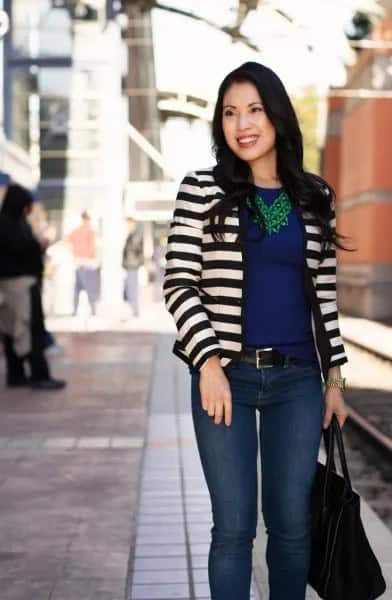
(275,215)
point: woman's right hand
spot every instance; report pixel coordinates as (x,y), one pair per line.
(215,391)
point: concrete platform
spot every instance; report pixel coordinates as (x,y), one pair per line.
(70,469)
(85,512)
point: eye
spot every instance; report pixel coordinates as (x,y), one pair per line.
(257,108)
(228,113)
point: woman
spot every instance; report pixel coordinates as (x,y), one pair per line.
(21,314)
(251,283)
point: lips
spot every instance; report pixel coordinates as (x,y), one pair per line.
(247,141)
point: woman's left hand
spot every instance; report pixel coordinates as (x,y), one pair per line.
(334,404)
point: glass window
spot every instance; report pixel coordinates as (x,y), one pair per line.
(43,31)
(23,85)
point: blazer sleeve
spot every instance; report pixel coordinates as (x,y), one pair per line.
(327,297)
(182,274)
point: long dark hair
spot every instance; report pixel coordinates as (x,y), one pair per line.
(234,175)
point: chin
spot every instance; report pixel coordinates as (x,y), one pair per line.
(250,154)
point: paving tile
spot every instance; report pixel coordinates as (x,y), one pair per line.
(21,589)
(162,455)
(160,563)
(202,590)
(88,563)
(199,526)
(40,564)
(195,496)
(124,442)
(157,466)
(196,509)
(158,493)
(158,502)
(160,591)
(192,518)
(25,442)
(199,536)
(151,519)
(160,576)
(167,488)
(161,474)
(60,442)
(151,530)
(200,548)
(159,550)
(200,575)
(148,509)
(162,539)
(93,442)
(158,480)
(88,589)
(199,561)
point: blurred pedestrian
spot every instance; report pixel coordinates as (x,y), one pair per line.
(132,260)
(46,234)
(21,314)
(251,283)
(84,247)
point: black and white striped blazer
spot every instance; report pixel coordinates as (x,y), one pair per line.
(203,283)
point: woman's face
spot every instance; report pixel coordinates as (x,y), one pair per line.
(248,131)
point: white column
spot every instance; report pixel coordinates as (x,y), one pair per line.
(114,162)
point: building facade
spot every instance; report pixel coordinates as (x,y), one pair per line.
(357,162)
(63,105)
(15,163)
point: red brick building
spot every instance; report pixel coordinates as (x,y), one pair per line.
(357,161)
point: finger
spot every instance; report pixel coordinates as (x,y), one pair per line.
(218,414)
(341,419)
(327,417)
(228,412)
(211,408)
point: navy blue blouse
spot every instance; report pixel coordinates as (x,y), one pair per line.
(276,308)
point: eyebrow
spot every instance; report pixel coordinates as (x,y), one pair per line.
(250,104)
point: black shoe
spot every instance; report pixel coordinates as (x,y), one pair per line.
(48,384)
(20,382)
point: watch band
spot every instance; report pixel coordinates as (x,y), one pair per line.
(339,382)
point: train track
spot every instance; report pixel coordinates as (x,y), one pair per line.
(368,430)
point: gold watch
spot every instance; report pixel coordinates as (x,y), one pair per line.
(339,382)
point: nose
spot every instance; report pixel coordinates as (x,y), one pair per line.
(243,121)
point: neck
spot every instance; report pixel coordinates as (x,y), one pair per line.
(264,171)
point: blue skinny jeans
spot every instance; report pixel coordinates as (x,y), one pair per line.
(291,406)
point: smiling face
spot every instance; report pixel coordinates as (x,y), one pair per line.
(248,131)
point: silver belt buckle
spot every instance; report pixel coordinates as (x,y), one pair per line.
(258,350)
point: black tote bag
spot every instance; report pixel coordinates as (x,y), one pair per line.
(343,565)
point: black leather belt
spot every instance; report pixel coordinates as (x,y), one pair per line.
(268,357)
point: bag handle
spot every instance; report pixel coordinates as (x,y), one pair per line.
(342,454)
(330,463)
(329,435)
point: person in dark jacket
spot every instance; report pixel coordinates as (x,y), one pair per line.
(21,257)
